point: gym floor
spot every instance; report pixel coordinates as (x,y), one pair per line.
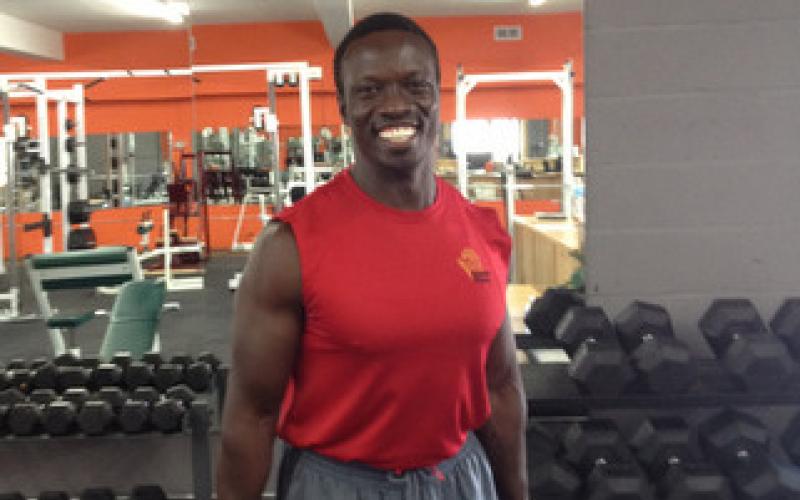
(202,323)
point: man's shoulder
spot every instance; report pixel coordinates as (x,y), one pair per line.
(319,200)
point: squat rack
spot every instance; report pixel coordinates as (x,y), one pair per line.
(564,80)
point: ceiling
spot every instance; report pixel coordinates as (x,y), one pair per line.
(102,15)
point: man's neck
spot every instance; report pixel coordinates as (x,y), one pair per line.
(413,189)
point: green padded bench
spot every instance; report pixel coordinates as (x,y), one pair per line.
(83,269)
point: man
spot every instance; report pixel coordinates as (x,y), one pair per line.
(370,329)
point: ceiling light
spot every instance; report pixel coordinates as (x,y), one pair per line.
(171,11)
(536,3)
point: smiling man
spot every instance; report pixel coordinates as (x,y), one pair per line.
(370,330)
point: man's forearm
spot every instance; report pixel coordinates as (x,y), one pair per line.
(245,459)
(503,439)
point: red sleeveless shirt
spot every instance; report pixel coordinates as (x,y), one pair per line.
(400,310)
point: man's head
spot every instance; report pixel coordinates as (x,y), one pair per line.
(387,79)
(372,24)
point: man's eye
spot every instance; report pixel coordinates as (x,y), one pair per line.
(419,86)
(367,90)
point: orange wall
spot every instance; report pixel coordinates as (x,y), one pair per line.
(118,105)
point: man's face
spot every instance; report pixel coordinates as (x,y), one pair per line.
(391,99)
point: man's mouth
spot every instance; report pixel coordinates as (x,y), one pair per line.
(398,135)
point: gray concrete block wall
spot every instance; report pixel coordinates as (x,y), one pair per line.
(693,130)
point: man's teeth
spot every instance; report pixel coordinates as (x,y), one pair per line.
(397,134)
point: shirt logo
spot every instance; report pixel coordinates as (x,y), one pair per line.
(471,263)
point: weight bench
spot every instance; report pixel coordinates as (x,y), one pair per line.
(136,310)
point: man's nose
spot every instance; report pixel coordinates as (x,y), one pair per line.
(395,102)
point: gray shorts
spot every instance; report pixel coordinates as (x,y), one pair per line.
(305,475)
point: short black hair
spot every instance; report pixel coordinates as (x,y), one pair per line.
(382,21)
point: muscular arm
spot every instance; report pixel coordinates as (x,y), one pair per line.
(503,435)
(266,335)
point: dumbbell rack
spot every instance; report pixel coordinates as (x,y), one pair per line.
(72,463)
(551,392)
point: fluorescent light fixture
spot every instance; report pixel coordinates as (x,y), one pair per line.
(536,3)
(171,11)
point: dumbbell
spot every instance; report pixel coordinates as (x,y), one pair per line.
(597,361)
(95,417)
(45,376)
(740,444)
(664,446)
(53,495)
(24,418)
(597,451)
(739,338)
(549,477)
(134,416)
(138,374)
(786,325)
(66,359)
(73,376)
(59,416)
(97,494)
(13,495)
(106,375)
(18,378)
(11,396)
(664,362)
(199,374)
(148,492)
(545,312)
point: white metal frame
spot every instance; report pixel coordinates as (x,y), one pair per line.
(564,80)
(303,70)
(37,89)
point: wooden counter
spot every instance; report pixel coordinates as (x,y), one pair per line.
(542,251)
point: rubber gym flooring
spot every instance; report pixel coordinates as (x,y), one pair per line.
(202,323)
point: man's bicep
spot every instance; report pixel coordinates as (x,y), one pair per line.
(268,320)
(501,364)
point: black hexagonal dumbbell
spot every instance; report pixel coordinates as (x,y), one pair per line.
(58,418)
(11,396)
(740,444)
(597,361)
(664,446)
(24,419)
(198,376)
(18,378)
(549,477)
(148,492)
(106,375)
(73,376)
(53,495)
(597,451)
(786,324)
(138,374)
(664,362)
(96,417)
(167,375)
(737,335)
(12,495)
(134,416)
(97,494)
(544,313)
(45,376)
